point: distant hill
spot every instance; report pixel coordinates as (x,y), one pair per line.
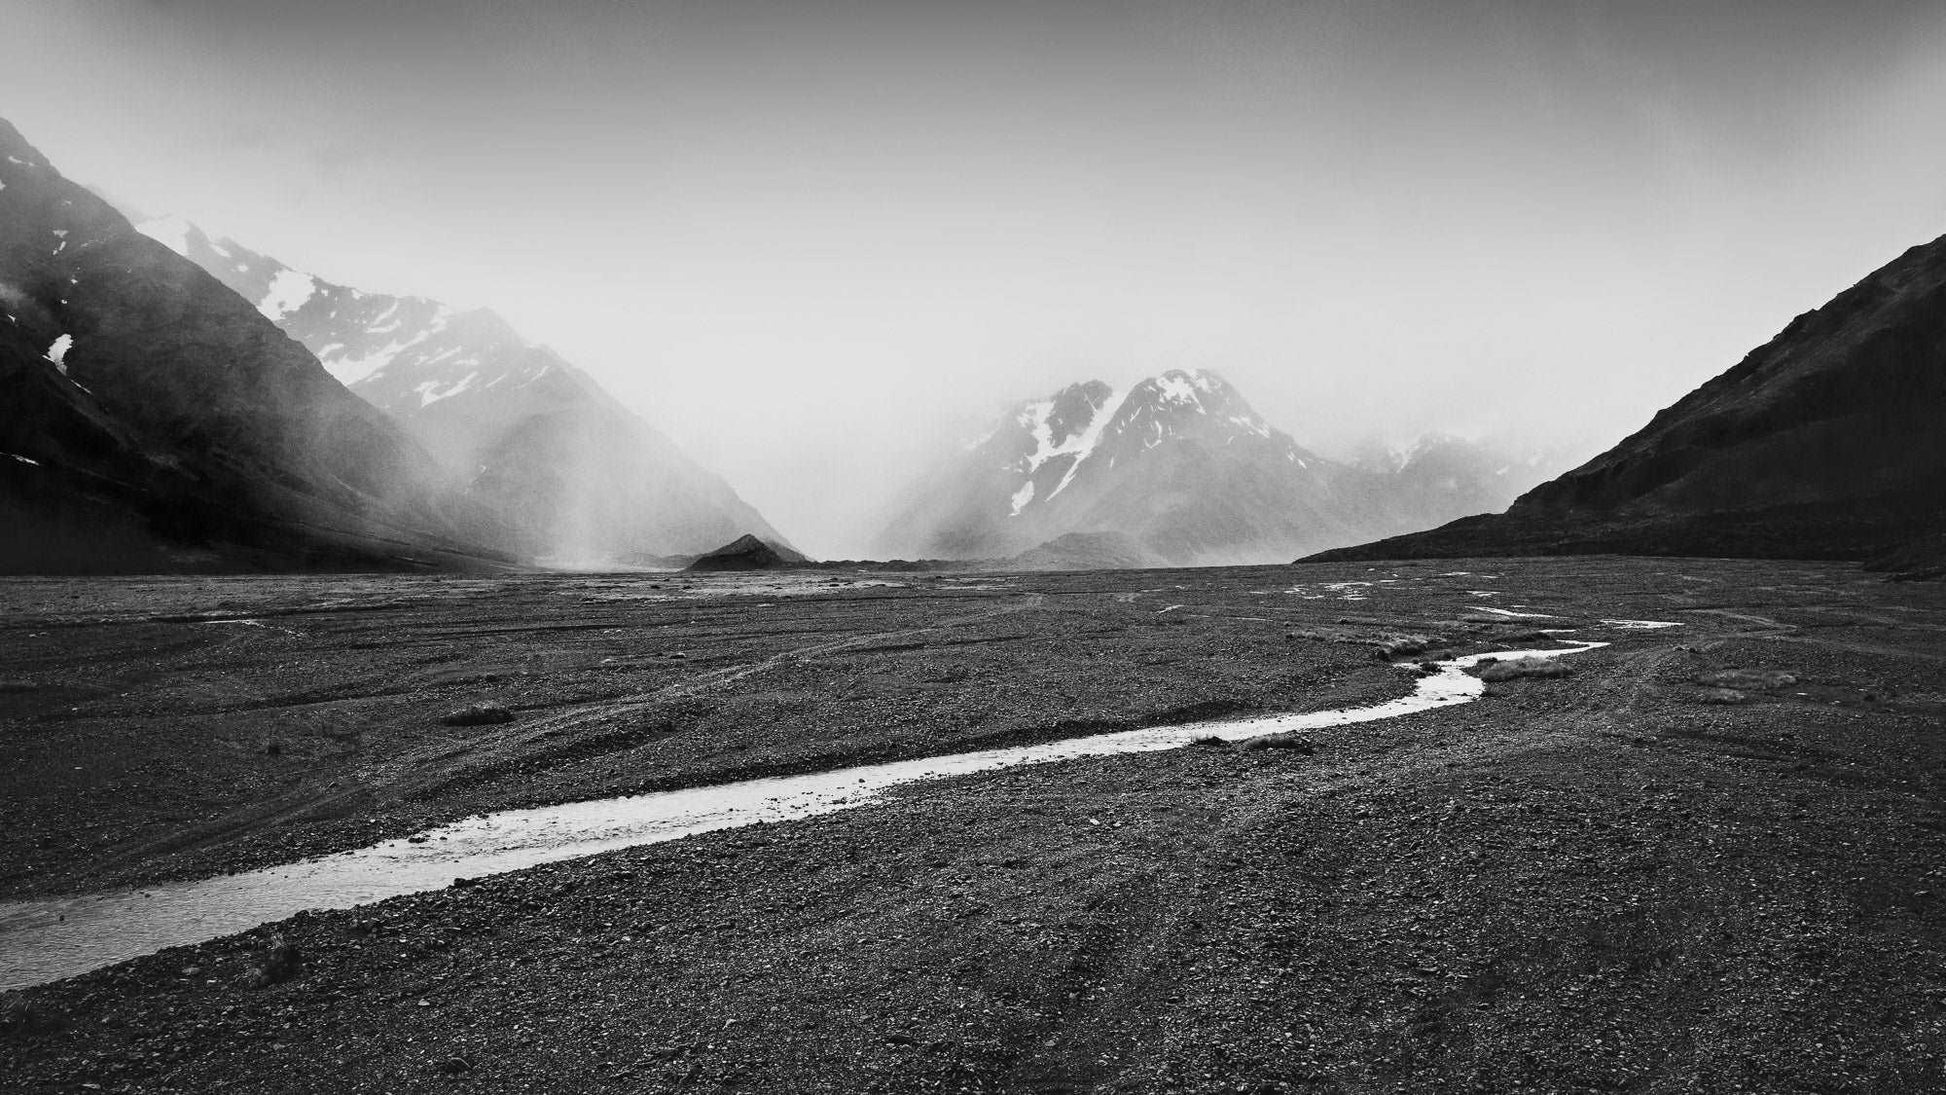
(748,552)
(578,478)
(1081,551)
(1826,442)
(154,420)
(1184,471)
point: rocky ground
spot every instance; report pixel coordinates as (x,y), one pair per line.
(183,727)
(1709,860)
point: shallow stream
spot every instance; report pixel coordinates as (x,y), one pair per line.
(45,940)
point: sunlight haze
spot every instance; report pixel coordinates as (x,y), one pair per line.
(815,243)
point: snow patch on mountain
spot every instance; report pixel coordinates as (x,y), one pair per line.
(1089,438)
(431,392)
(1038,418)
(1021,497)
(1180,389)
(289,291)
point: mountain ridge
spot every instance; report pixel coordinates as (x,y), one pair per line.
(154,401)
(1182,466)
(1821,443)
(582,479)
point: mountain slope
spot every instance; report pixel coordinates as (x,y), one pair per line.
(580,478)
(1081,551)
(154,408)
(1825,442)
(1180,465)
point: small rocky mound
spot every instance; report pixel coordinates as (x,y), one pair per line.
(747,552)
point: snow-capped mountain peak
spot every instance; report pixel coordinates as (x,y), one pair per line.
(1095,458)
(1185,387)
(276,290)
(1069,424)
(1052,442)
(1181,467)
(581,477)
(1199,404)
(401,353)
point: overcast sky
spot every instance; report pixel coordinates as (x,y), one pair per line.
(814,241)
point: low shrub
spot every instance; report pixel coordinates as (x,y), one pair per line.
(1524,667)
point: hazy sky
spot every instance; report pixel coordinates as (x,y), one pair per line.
(814,241)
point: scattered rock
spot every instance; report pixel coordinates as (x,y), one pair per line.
(1720,695)
(1291,742)
(670,1053)
(1748,680)
(480,714)
(280,963)
(19,1015)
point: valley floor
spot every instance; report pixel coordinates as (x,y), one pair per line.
(1641,877)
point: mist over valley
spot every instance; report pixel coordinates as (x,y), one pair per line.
(1001,548)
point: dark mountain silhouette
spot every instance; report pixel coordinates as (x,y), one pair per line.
(747,552)
(1825,442)
(155,420)
(578,478)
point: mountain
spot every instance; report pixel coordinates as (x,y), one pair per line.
(1183,470)
(1440,476)
(1080,551)
(748,552)
(580,478)
(155,420)
(1825,442)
